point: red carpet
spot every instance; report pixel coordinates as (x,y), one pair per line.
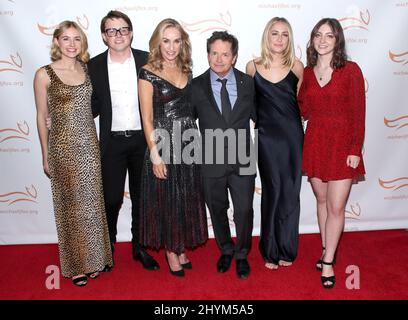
(381,256)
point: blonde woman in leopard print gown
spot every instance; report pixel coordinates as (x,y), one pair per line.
(71,156)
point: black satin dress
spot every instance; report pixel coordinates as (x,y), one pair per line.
(280,138)
(173,213)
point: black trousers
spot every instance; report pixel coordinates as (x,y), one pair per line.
(216,197)
(123,155)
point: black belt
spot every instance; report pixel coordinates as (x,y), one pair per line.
(126,133)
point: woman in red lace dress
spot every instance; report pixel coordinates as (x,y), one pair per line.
(332,100)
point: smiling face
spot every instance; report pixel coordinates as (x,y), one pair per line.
(69,42)
(278,39)
(119,42)
(324,40)
(170,44)
(221,58)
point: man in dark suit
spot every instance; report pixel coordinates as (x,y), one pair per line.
(223,101)
(115,99)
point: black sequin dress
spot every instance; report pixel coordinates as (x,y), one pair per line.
(173,213)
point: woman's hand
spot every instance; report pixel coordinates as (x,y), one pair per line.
(46,168)
(353,161)
(159,167)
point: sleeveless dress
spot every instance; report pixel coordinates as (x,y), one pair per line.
(336,123)
(76,182)
(280,139)
(172,211)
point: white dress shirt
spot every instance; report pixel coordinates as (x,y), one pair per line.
(124,95)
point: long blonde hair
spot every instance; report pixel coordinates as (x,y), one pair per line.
(55,52)
(289,53)
(184,60)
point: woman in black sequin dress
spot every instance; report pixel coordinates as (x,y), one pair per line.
(173,212)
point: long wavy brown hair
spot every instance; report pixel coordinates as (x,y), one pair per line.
(55,52)
(339,53)
(184,60)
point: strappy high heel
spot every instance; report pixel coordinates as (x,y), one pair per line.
(80,280)
(331,279)
(319,262)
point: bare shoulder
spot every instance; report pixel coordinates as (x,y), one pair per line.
(298,68)
(250,66)
(41,77)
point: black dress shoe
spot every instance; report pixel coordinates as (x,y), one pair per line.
(147,260)
(224,263)
(243,268)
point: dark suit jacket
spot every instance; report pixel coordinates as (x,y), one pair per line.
(101,98)
(209,117)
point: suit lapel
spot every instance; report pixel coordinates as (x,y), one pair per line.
(105,76)
(139,63)
(240,89)
(210,94)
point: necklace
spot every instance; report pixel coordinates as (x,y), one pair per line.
(323,73)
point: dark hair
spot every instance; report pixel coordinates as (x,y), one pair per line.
(339,53)
(223,36)
(113,14)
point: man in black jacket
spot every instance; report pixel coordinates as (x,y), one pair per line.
(223,102)
(115,99)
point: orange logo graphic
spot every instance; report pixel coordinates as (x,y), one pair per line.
(258,190)
(397,123)
(354,212)
(210,24)
(394,184)
(21,133)
(359,22)
(399,58)
(29,196)
(48,31)
(14,64)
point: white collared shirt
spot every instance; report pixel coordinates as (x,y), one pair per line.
(124,95)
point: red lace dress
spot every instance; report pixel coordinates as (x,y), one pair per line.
(336,121)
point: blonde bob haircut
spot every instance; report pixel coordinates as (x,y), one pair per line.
(289,53)
(55,53)
(155,57)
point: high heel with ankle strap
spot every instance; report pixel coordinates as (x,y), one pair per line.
(319,262)
(331,279)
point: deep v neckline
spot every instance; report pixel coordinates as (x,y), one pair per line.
(169,82)
(317,80)
(275,83)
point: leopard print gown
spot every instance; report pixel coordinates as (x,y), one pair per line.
(76,182)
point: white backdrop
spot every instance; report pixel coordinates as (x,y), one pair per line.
(376,36)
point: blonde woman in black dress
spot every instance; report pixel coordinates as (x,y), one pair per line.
(173,212)
(277,76)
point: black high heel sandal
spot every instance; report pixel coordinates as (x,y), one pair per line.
(80,281)
(319,262)
(319,266)
(330,279)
